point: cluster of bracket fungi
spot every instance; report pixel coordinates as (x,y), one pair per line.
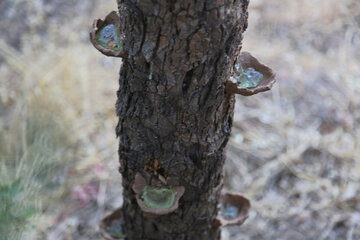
(248,75)
(153,196)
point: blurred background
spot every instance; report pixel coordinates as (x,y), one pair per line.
(294,151)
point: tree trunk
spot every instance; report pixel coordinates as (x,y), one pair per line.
(173,108)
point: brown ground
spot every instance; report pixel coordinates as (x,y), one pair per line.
(294,151)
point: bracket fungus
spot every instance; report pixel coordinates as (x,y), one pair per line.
(155,200)
(249,76)
(107,37)
(234,209)
(111,226)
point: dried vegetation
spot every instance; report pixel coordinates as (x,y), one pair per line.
(295,150)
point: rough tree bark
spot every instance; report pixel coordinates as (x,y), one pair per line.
(173,108)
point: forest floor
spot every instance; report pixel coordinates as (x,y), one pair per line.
(294,151)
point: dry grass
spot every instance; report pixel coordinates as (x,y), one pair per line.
(294,151)
(56,116)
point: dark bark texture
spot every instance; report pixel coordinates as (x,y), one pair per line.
(173,108)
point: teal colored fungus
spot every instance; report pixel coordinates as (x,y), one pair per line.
(158,197)
(109,37)
(229,212)
(248,78)
(115,230)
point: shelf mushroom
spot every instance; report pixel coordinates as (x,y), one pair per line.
(234,209)
(111,226)
(155,200)
(249,76)
(107,36)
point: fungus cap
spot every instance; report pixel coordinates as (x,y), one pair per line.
(236,201)
(168,197)
(108,221)
(246,60)
(106,35)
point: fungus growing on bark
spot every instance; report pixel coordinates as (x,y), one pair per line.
(111,226)
(172,105)
(249,76)
(156,200)
(234,209)
(106,35)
